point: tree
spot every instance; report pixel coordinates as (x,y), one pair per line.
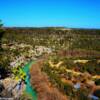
(1,23)
(1,34)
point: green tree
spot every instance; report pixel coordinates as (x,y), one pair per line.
(1,34)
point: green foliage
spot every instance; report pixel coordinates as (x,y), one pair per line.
(18,73)
(68,89)
(25,96)
(82,94)
(1,23)
(55,75)
(81,39)
(97,81)
(85,41)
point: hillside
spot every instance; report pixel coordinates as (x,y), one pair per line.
(72,57)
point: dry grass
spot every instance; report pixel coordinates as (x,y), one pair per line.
(40,82)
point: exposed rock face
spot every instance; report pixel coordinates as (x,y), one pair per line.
(40,82)
(8,89)
(1,87)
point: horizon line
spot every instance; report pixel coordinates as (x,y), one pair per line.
(51,27)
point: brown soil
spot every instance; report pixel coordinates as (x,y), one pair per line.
(40,82)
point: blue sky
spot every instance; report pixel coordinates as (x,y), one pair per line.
(43,13)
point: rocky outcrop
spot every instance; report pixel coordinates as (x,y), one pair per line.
(7,85)
(8,88)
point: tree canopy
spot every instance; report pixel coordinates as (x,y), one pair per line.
(1,24)
(1,32)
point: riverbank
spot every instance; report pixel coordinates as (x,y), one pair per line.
(18,89)
(40,82)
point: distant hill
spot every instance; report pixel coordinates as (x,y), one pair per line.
(60,37)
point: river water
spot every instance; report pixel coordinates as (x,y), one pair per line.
(29,89)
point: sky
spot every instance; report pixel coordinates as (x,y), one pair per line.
(50,13)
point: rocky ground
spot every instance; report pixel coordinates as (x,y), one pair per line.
(8,88)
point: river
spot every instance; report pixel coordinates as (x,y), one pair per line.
(29,89)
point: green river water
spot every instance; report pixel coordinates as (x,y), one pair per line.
(29,90)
